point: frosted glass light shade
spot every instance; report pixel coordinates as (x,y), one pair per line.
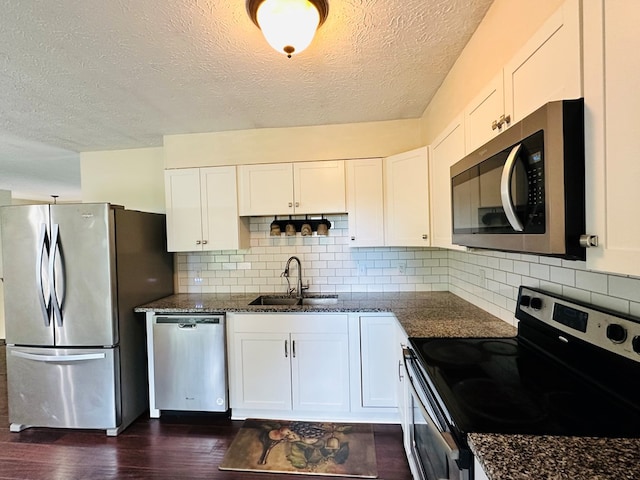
(288,25)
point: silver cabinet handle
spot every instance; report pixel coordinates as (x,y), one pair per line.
(353,238)
(293,348)
(286,349)
(425,236)
(290,204)
(204,242)
(400,376)
(297,204)
(198,242)
(505,189)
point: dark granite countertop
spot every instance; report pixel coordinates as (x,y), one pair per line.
(533,457)
(421,314)
(443,314)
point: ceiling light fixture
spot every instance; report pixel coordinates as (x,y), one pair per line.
(288,25)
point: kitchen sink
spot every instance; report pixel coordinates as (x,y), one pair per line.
(293,301)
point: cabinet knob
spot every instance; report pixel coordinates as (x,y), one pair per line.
(297,204)
(353,238)
(204,242)
(290,204)
(425,236)
(198,242)
(588,241)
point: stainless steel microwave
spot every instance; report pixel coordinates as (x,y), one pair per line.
(524,190)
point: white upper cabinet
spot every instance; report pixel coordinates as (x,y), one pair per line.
(287,189)
(265,189)
(365,202)
(406,192)
(319,187)
(548,67)
(446,150)
(484,117)
(202,210)
(611,78)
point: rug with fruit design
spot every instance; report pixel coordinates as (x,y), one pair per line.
(310,448)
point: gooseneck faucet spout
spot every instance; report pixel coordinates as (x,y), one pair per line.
(285,274)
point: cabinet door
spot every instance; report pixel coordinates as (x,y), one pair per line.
(265,189)
(319,187)
(320,371)
(378,354)
(548,67)
(184,215)
(446,150)
(262,375)
(365,203)
(222,228)
(611,78)
(482,116)
(406,213)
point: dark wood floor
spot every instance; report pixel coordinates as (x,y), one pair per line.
(172,447)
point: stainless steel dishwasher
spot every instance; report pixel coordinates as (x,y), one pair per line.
(190,362)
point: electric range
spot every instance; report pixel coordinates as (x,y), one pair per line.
(571,370)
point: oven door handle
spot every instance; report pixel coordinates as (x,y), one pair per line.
(447,440)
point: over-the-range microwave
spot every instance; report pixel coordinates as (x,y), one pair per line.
(524,190)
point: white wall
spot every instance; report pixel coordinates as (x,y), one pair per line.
(296,144)
(133,178)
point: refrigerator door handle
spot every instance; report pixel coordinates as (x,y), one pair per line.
(58,358)
(54,251)
(42,297)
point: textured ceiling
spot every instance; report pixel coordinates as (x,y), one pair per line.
(98,75)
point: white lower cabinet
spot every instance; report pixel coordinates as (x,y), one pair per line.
(288,362)
(478,471)
(378,355)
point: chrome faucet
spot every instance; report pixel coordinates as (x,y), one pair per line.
(299,288)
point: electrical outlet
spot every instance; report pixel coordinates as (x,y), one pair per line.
(482,275)
(402,267)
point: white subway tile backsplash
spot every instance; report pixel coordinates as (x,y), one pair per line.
(331,265)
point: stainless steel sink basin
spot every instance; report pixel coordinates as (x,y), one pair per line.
(293,301)
(275,300)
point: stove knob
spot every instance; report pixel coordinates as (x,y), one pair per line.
(616,333)
(536,303)
(635,344)
(525,300)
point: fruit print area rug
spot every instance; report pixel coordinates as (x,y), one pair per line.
(309,448)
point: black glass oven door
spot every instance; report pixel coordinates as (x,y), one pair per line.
(435,449)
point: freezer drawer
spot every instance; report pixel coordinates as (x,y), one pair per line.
(190,368)
(63,388)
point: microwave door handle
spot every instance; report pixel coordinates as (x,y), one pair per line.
(505,189)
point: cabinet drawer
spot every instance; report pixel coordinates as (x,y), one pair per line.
(313,322)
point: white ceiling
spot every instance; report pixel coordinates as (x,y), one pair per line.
(99,75)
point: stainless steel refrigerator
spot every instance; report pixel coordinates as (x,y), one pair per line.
(76,355)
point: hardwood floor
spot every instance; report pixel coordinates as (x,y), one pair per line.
(172,447)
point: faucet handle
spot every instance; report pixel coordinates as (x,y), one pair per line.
(305,287)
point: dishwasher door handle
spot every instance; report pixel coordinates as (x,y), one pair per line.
(187,325)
